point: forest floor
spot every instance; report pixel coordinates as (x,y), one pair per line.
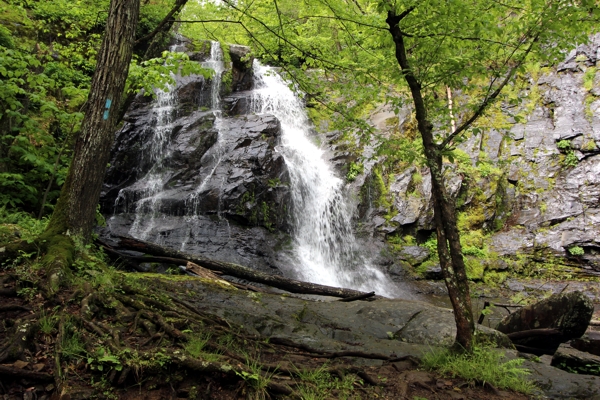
(109,337)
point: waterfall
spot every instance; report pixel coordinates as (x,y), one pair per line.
(212,158)
(148,206)
(215,62)
(325,249)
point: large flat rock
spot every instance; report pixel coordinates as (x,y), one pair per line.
(384,326)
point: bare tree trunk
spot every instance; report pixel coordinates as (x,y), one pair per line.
(76,208)
(449,247)
(452,120)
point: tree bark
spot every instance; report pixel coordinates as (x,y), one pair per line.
(156,42)
(449,247)
(76,208)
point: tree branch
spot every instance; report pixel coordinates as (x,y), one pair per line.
(271,31)
(202,21)
(489,99)
(176,8)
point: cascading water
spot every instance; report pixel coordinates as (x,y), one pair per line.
(325,248)
(213,157)
(147,208)
(215,62)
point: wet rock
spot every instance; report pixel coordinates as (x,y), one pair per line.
(434,273)
(131,158)
(589,343)
(399,269)
(192,93)
(569,313)
(573,360)
(555,383)
(214,237)
(241,60)
(240,56)
(238,103)
(414,255)
(237,173)
(225,174)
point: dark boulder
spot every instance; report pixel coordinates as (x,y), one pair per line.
(183,176)
(573,360)
(590,343)
(434,273)
(238,103)
(567,313)
(241,60)
(414,255)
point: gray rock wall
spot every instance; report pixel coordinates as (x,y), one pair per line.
(224,187)
(537,195)
(540,193)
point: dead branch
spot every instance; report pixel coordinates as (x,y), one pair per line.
(13,307)
(17,373)
(8,292)
(534,332)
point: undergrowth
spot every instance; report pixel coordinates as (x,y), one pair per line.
(484,365)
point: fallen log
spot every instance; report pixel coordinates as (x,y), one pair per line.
(534,333)
(359,297)
(235,270)
(17,373)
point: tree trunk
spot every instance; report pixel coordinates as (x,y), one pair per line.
(75,211)
(76,208)
(449,247)
(156,41)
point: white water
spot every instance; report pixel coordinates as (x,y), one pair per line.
(215,62)
(325,249)
(147,207)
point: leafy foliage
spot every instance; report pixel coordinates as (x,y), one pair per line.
(458,44)
(158,73)
(47,56)
(576,251)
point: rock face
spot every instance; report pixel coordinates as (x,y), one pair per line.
(568,313)
(183,175)
(530,187)
(590,343)
(536,198)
